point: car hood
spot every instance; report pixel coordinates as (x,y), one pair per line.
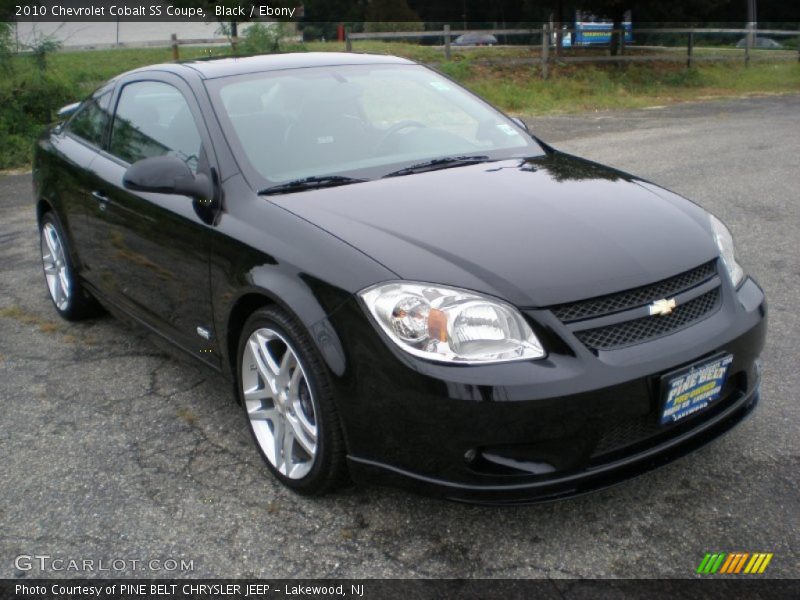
(536,232)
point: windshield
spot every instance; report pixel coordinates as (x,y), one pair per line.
(363,121)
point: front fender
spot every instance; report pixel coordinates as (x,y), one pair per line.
(296,299)
(264,254)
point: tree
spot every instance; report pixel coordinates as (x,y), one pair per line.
(231,26)
(263,38)
(322,17)
(6,44)
(391,15)
(559,23)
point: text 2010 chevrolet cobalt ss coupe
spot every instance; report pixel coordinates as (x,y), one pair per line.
(403,283)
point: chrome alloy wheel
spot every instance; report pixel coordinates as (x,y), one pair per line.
(55,267)
(279,403)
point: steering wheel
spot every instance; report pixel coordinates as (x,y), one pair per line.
(394,129)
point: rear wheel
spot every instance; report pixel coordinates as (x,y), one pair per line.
(70,299)
(285,391)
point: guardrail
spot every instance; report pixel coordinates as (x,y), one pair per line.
(546,33)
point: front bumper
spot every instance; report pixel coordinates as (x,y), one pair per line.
(587,480)
(537,430)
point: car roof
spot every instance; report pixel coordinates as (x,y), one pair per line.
(224,67)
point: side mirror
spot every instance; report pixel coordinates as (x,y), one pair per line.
(520,122)
(167,175)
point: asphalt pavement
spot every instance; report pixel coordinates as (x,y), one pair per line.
(112,450)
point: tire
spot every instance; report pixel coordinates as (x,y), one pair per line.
(71,300)
(298,404)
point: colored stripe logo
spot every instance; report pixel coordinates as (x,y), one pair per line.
(734,563)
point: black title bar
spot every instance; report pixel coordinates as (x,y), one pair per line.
(478,13)
(149,10)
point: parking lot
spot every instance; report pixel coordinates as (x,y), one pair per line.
(110,449)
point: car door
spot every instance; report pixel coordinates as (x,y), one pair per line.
(151,251)
(74,146)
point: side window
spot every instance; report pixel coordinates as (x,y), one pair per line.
(91,120)
(154,119)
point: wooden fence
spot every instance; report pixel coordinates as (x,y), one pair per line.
(174,43)
(545,34)
(543,37)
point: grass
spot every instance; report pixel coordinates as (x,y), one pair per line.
(20,315)
(89,69)
(514,87)
(24,317)
(577,88)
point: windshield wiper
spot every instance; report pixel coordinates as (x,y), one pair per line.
(309,183)
(438,163)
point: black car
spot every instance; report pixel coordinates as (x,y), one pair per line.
(404,284)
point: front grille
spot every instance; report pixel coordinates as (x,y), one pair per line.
(626,432)
(641,296)
(641,429)
(645,328)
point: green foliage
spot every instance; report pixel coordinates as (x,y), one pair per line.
(5,35)
(380,26)
(459,70)
(29,99)
(41,47)
(588,87)
(262,38)
(391,15)
(6,45)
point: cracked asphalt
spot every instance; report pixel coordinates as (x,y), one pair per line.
(112,449)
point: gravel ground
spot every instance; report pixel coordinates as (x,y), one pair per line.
(111,449)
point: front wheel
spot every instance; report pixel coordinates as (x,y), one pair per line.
(285,391)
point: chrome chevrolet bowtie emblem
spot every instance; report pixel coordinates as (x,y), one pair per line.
(662,307)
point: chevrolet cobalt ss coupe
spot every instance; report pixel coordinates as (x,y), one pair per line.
(403,283)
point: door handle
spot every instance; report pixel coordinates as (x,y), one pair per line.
(102,199)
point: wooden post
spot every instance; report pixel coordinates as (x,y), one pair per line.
(447,41)
(748,40)
(689,49)
(545,50)
(174,42)
(747,52)
(348,43)
(622,41)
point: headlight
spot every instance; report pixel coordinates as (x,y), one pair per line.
(451,325)
(724,241)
